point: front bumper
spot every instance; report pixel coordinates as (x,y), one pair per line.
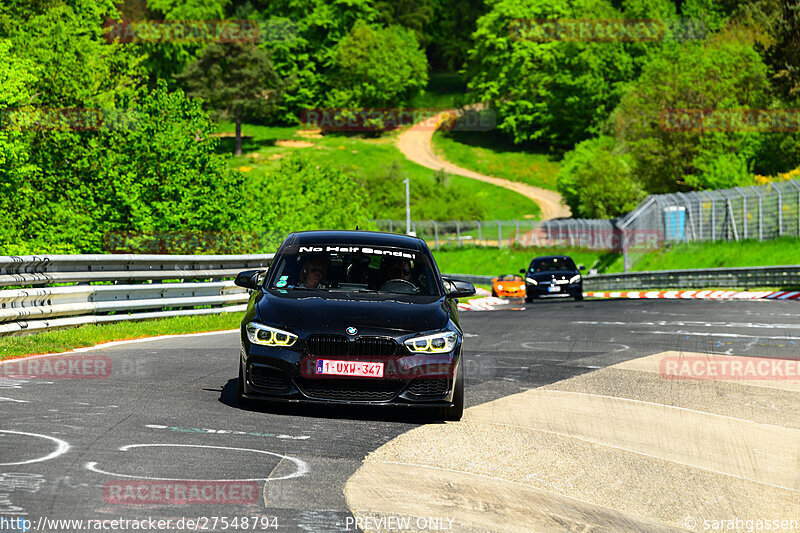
(543,290)
(285,375)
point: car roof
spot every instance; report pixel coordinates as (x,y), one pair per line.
(357,237)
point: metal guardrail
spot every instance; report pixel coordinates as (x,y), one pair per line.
(198,286)
(777,277)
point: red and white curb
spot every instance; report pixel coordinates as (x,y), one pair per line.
(702,295)
(481,304)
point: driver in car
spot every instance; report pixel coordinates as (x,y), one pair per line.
(399,269)
(313,273)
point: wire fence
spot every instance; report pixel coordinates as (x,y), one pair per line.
(762,212)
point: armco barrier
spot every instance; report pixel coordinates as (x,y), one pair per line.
(198,284)
(777,277)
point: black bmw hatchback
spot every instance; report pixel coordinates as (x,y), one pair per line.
(353,317)
(553,275)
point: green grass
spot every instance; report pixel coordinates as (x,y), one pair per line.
(63,340)
(785,251)
(492,262)
(366,157)
(492,154)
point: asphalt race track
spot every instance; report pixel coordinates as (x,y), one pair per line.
(166,410)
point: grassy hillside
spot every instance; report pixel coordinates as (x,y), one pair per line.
(381,167)
(493,155)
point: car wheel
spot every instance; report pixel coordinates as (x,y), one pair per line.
(494,293)
(578,296)
(243,402)
(455,412)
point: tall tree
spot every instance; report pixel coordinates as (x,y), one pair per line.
(236,81)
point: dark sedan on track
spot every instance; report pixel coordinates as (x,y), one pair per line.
(553,275)
(353,317)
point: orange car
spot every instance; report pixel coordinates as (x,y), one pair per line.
(509,285)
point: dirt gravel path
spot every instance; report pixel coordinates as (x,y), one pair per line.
(416,143)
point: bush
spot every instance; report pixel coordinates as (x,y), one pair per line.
(598,183)
(377,67)
(302,195)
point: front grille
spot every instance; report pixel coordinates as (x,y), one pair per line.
(268,378)
(428,387)
(373,346)
(338,345)
(335,345)
(353,390)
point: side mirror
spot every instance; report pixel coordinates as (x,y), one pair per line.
(581,267)
(248,279)
(522,271)
(457,288)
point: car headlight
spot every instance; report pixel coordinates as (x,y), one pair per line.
(437,343)
(531,281)
(500,287)
(575,279)
(267,336)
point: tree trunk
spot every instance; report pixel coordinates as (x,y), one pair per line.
(238,136)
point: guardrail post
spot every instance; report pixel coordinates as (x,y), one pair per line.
(435,234)
(499,234)
(534,233)
(516,223)
(458,232)
(480,233)
(391,229)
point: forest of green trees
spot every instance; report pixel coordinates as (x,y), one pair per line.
(150,164)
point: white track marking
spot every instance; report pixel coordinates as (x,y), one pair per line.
(302,467)
(2,399)
(62,448)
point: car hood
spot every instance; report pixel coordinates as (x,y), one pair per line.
(331,314)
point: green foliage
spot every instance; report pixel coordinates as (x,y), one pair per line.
(598,183)
(237,81)
(387,197)
(377,67)
(716,75)
(303,194)
(306,57)
(415,15)
(450,32)
(554,93)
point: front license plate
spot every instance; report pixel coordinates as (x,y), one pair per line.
(349,368)
(553,288)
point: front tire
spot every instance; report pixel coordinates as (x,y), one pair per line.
(456,411)
(241,400)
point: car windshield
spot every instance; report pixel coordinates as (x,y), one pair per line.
(367,269)
(552,264)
